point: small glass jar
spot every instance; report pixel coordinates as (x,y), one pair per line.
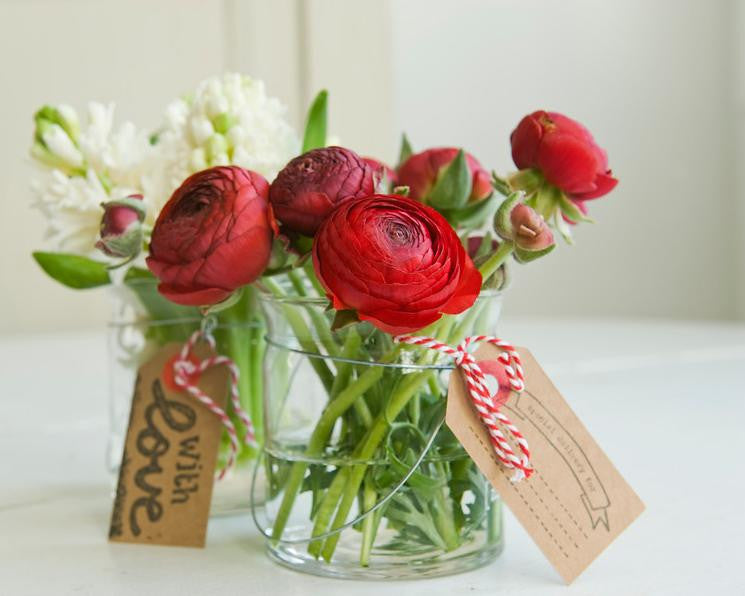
(363,479)
(134,335)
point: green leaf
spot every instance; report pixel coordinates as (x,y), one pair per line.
(502,222)
(525,256)
(563,227)
(571,210)
(453,186)
(342,318)
(546,201)
(500,184)
(315,125)
(406,151)
(473,215)
(73,271)
(528,180)
(145,286)
(231,300)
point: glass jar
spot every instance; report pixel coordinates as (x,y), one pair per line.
(363,479)
(143,322)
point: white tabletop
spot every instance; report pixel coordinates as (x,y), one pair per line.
(666,400)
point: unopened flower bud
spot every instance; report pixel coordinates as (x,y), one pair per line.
(121,227)
(530,231)
(526,229)
(56,139)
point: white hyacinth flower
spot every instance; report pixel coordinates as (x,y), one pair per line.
(85,166)
(227,120)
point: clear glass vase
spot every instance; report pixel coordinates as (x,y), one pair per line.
(363,479)
(143,323)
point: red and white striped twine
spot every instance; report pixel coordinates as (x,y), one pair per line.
(482,398)
(186,376)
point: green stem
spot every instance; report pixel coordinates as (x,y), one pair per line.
(365,451)
(367,448)
(303,335)
(444,515)
(370,523)
(344,372)
(318,439)
(319,321)
(310,272)
(238,340)
(323,516)
(497,259)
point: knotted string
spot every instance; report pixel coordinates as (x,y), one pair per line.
(482,399)
(186,372)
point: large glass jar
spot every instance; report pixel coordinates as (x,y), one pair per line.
(363,479)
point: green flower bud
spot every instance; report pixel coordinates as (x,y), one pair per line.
(56,140)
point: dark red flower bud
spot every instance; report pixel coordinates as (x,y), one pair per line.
(313,184)
(421,171)
(565,153)
(121,227)
(529,229)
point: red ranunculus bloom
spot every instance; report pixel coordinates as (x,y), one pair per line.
(565,153)
(396,262)
(312,184)
(213,236)
(421,171)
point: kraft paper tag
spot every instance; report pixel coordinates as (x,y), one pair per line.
(575,503)
(168,466)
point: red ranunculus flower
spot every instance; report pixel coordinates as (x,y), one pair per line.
(421,171)
(213,236)
(565,153)
(396,262)
(312,184)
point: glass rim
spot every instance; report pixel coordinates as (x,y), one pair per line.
(321,356)
(182,321)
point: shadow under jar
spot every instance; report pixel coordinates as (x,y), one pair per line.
(362,477)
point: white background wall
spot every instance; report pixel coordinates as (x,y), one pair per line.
(661,84)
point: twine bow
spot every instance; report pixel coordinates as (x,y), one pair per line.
(481,397)
(186,372)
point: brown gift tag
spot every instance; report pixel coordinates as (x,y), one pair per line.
(168,466)
(575,503)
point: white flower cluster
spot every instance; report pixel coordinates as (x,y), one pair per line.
(227,120)
(82,169)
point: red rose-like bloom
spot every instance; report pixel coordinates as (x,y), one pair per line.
(565,152)
(213,236)
(396,262)
(311,185)
(421,170)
